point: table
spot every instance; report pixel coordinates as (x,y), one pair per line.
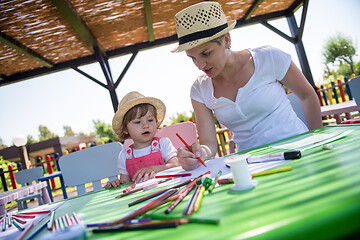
(54,175)
(318,199)
(9,196)
(337,109)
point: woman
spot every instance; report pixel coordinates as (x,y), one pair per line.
(243,88)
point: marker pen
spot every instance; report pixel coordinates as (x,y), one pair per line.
(275,157)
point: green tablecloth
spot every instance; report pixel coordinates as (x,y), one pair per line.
(318,199)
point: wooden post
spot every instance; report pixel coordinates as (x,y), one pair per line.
(342,93)
(50,170)
(12,177)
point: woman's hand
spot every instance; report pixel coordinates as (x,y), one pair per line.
(188,159)
(144,173)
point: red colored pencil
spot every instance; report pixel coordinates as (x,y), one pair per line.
(188,147)
(24,216)
(32,213)
(174,175)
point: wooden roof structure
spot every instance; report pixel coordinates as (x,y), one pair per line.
(43,36)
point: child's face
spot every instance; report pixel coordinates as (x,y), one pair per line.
(142,130)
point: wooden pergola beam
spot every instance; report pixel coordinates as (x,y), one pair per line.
(252,9)
(24,50)
(149,21)
(69,13)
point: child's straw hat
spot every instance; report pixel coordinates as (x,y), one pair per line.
(131,100)
(200,23)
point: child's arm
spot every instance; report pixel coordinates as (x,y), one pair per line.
(149,172)
(123,179)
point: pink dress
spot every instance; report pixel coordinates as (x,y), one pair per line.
(154,158)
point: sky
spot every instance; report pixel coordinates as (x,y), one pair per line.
(67,98)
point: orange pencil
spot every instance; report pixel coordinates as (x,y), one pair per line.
(188,147)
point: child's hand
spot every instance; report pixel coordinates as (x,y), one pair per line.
(145,173)
(113,184)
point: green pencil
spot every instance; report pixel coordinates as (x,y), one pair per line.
(211,188)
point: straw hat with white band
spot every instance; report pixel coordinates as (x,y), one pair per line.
(131,100)
(200,23)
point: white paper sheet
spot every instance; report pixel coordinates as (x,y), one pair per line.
(213,165)
(310,140)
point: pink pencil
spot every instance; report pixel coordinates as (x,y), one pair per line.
(174,175)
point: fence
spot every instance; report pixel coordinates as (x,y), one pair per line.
(336,93)
(50,162)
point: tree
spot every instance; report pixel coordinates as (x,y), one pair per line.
(45,133)
(30,139)
(339,50)
(104,131)
(68,131)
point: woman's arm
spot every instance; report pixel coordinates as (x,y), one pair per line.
(298,84)
(207,137)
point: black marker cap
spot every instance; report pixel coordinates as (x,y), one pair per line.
(292,155)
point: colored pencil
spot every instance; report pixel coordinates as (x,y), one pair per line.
(144,209)
(188,147)
(20,228)
(271,171)
(9,220)
(23,216)
(157,193)
(142,226)
(77,220)
(211,188)
(129,188)
(4,223)
(190,219)
(51,221)
(199,199)
(174,175)
(146,187)
(180,198)
(190,206)
(19,220)
(38,212)
(26,230)
(38,230)
(131,221)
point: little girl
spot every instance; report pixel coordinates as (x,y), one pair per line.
(138,117)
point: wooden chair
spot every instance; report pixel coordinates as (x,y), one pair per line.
(225,147)
(354,85)
(90,165)
(187,130)
(27,177)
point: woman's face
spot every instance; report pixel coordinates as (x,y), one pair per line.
(209,57)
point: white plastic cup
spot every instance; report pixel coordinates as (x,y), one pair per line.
(240,171)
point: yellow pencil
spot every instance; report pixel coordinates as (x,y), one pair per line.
(276,170)
(199,198)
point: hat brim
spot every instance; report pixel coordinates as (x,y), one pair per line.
(192,44)
(120,113)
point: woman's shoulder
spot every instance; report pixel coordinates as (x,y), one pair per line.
(266,49)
